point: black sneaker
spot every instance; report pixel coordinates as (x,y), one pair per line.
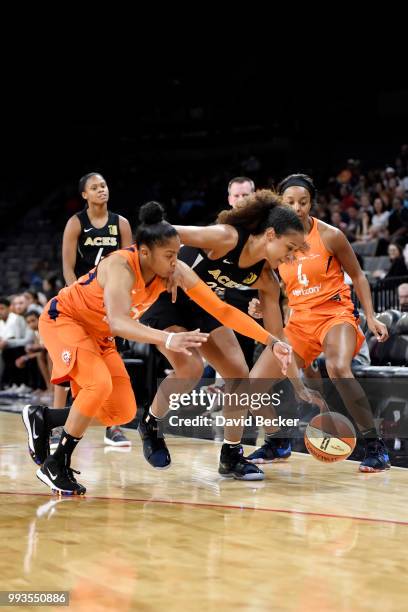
(233,465)
(60,478)
(376,457)
(114,436)
(38,434)
(274,450)
(155,450)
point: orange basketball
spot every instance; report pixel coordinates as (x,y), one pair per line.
(330,437)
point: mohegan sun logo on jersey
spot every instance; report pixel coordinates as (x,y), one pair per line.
(66,357)
(251,278)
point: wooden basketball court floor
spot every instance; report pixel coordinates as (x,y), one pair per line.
(309,537)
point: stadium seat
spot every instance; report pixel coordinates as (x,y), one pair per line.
(393,352)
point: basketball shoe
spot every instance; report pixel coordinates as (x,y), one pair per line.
(274,449)
(38,434)
(155,450)
(60,478)
(234,465)
(376,457)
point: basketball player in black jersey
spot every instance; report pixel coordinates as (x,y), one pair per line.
(94,232)
(241,250)
(238,188)
(90,235)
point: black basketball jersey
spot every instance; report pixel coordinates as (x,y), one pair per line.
(223,272)
(95,243)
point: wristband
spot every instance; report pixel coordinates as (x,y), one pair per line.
(273,344)
(168,340)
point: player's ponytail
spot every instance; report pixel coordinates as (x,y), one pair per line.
(261,210)
(153,229)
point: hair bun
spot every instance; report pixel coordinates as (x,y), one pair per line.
(151,213)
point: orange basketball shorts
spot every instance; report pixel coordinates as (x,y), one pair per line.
(99,381)
(306,329)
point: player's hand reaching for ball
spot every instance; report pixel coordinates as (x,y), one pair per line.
(180,342)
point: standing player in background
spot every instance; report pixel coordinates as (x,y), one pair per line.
(94,232)
(89,236)
(323,319)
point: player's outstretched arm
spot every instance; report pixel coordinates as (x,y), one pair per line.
(214,237)
(117,280)
(231,317)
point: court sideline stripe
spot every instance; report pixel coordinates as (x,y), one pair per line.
(219,506)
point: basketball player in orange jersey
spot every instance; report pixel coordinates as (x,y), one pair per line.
(323,319)
(89,236)
(78,328)
(240,251)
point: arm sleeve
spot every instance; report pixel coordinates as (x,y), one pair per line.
(226,314)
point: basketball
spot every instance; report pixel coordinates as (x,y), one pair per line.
(330,437)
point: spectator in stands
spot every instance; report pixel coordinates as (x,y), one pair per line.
(398,221)
(322,211)
(11,325)
(404,183)
(360,187)
(402,194)
(7,326)
(405,254)
(336,221)
(397,267)
(13,346)
(379,221)
(363,233)
(19,304)
(403,297)
(390,180)
(51,286)
(353,223)
(34,274)
(37,351)
(365,203)
(33,302)
(347,198)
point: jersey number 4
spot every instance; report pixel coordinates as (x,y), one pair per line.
(302,278)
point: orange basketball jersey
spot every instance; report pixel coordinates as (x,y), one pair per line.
(83,301)
(314,277)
